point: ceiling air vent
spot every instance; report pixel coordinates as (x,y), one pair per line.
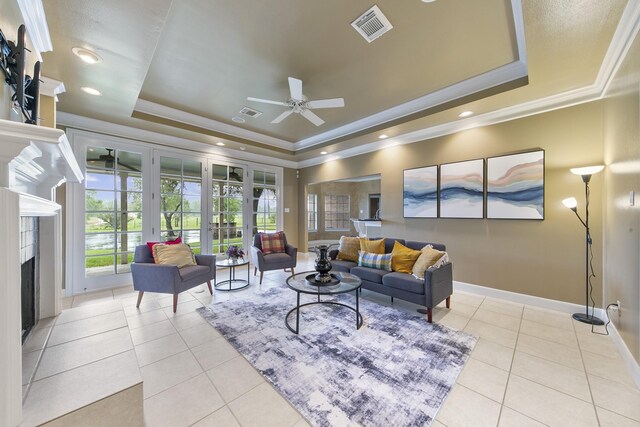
(372,24)
(250,112)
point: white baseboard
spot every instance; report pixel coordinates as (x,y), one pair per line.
(564,307)
(549,304)
(628,358)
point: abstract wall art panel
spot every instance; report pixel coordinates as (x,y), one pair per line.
(515,186)
(462,189)
(420,193)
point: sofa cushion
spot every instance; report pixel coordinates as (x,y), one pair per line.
(389,243)
(374,260)
(371,274)
(193,271)
(419,245)
(428,257)
(277,259)
(403,258)
(348,250)
(405,282)
(372,246)
(341,265)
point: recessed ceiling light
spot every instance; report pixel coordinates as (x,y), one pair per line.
(242,148)
(383,136)
(428,1)
(86,55)
(91,91)
(465,114)
(220,144)
(323,152)
(238,119)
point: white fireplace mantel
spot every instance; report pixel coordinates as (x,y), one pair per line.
(33,161)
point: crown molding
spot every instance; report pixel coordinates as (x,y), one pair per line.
(174,114)
(501,75)
(51,87)
(36,23)
(99,126)
(620,44)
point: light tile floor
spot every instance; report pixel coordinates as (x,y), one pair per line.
(530,367)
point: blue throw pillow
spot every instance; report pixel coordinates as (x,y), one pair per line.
(379,261)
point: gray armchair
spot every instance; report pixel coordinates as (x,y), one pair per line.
(169,279)
(273,261)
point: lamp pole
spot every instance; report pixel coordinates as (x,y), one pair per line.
(586,318)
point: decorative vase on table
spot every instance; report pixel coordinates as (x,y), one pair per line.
(323,265)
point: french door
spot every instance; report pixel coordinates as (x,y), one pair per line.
(203,201)
(134,193)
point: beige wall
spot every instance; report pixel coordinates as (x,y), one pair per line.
(290,201)
(359,199)
(541,258)
(622,175)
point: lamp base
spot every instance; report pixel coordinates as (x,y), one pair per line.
(592,320)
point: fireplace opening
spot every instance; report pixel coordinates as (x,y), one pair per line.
(29,277)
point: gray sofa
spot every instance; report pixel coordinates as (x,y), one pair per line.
(436,287)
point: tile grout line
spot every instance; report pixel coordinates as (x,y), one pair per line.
(513,356)
(586,374)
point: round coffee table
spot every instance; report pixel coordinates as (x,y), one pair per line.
(232,264)
(348,283)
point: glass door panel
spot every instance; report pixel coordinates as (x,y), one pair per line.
(264,202)
(180,201)
(227,207)
(113,210)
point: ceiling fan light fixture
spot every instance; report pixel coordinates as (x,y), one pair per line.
(86,55)
(91,91)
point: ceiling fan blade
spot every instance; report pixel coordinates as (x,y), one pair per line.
(282,116)
(312,117)
(326,103)
(295,87)
(267,101)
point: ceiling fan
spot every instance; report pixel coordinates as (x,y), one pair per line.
(298,103)
(109,160)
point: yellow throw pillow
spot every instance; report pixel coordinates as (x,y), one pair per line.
(403,258)
(179,255)
(428,257)
(348,249)
(372,246)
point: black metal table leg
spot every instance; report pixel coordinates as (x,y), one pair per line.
(298,313)
(357,309)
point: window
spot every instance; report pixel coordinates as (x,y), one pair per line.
(265,202)
(337,212)
(113,210)
(180,200)
(312,212)
(227,185)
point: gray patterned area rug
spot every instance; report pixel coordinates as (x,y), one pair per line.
(396,370)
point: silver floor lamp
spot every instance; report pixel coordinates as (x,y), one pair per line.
(572,204)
